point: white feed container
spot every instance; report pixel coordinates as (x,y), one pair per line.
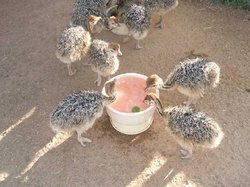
(131,123)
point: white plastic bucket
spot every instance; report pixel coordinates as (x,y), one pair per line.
(131,123)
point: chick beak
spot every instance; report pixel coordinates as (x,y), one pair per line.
(107,28)
(112,98)
(166,87)
(119,53)
(146,89)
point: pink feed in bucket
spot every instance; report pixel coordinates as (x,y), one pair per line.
(130,94)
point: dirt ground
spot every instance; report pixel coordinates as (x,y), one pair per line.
(33,81)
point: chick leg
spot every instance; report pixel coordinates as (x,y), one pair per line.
(159,23)
(80,138)
(195,99)
(71,72)
(138,46)
(188,102)
(192,100)
(186,151)
(98,80)
(125,40)
(87,62)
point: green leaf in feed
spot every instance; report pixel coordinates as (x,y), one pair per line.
(136,109)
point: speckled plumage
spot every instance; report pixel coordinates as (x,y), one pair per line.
(137,18)
(90,3)
(77,109)
(155,5)
(103,59)
(97,54)
(160,7)
(136,23)
(83,8)
(191,126)
(188,126)
(195,74)
(73,44)
(102,63)
(191,78)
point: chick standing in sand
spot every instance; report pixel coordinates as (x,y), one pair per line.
(74,43)
(187,126)
(104,59)
(79,111)
(160,7)
(136,24)
(84,8)
(191,78)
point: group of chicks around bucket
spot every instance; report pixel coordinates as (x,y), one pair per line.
(192,77)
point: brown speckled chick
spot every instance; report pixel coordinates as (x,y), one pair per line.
(136,23)
(188,127)
(74,43)
(83,8)
(104,59)
(192,77)
(78,111)
(160,7)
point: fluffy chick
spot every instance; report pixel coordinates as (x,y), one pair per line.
(78,111)
(191,78)
(160,7)
(136,23)
(188,127)
(103,59)
(74,43)
(83,8)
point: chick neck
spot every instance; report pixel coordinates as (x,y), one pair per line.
(159,106)
(107,99)
(160,84)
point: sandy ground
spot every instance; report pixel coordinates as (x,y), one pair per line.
(33,81)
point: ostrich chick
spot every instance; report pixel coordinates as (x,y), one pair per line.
(160,7)
(188,127)
(83,8)
(136,23)
(78,111)
(191,78)
(103,59)
(74,43)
